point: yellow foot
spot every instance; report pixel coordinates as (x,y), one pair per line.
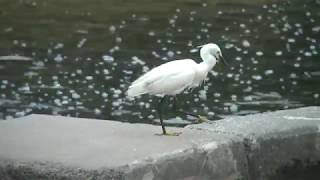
(202,119)
(170,134)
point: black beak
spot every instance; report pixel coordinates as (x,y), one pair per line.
(221,58)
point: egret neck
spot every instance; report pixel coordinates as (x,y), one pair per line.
(208,59)
(204,67)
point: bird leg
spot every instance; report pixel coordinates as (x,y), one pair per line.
(160,114)
(200,118)
(165,133)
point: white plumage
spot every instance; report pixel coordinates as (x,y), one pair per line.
(169,78)
(173,77)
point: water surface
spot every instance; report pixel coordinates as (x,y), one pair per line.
(77,58)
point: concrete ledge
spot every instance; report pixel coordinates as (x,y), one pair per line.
(247,147)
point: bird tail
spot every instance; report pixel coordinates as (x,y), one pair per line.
(136,90)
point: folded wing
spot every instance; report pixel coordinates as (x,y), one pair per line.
(167,79)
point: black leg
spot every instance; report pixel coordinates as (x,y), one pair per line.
(160,114)
(174,104)
(188,113)
(177,110)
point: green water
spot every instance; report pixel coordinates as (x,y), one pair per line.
(86,53)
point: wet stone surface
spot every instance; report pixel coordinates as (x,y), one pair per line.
(253,147)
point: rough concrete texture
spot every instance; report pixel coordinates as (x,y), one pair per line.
(247,147)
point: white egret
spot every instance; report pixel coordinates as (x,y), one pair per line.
(173,77)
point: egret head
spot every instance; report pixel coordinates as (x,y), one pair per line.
(212,50)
